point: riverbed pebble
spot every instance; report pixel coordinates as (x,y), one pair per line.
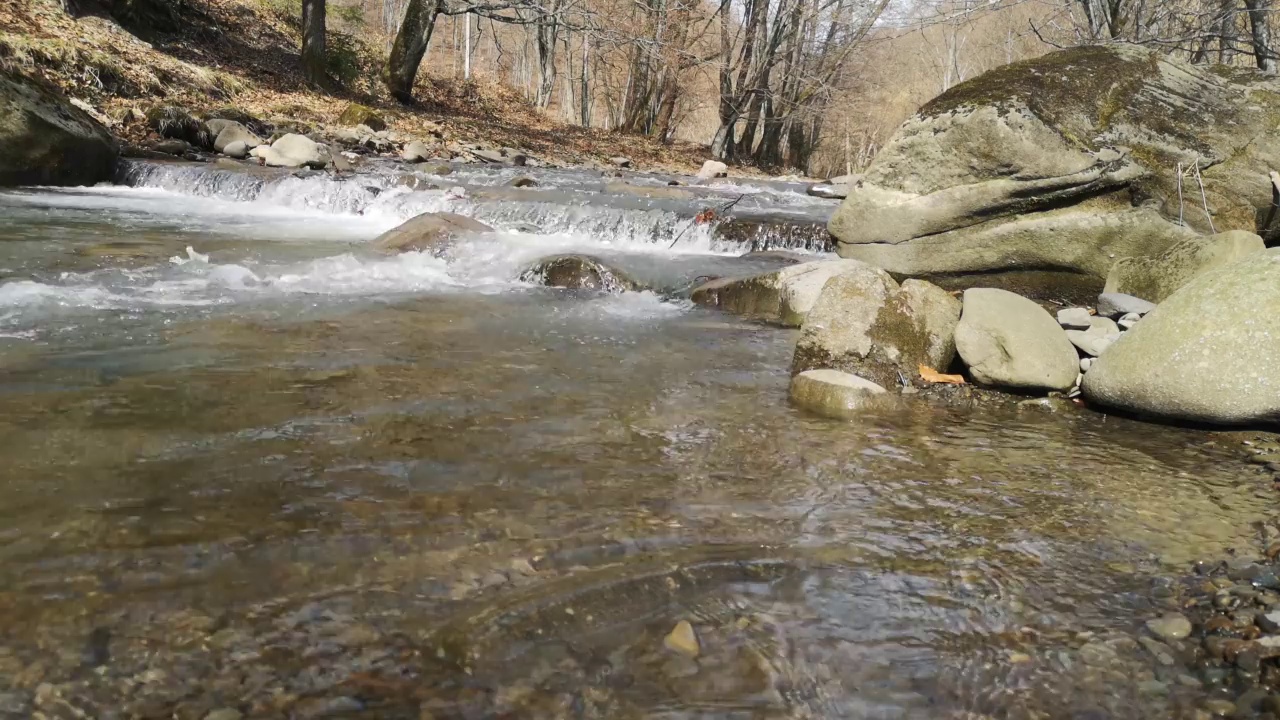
(683,640)
(1173,626)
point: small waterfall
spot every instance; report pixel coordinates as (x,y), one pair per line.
(573,207)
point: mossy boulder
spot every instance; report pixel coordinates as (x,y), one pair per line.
(432,233)
(1157,277)
(1062,163)
(357,114)
(175,123)
(865,323)
(45,140)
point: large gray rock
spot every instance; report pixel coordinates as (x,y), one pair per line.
(293,150)
(784,296)
(230,131)
(432,233)
(45,140)
(1156,277)
(713,169)
(1115,305)
(835,394)
(1009,341)
(1206,354)
(865,323)
(1060,164)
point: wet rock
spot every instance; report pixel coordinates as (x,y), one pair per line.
(1157,277)
(416,152)
(683,640)
(438,169)
(784,296)
(326,707)
(1114,305)
(831,192)
(1203,355)
(713,169)
(1075,318)
(432,233)
(1269,622)
(577,272)
(522,181)
(357,114)
(622,162)
(832,393)
(224,714)
(231,132)
(414,182)
(647,191)
(786,256)
(1009,341)
(1220,708)
(490,156)
(865,323)
(1173,626)
(176,148)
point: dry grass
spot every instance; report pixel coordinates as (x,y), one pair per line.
(243,53)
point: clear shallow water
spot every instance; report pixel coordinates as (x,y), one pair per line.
(414,487)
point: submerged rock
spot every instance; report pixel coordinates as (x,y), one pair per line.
(683,640)
(835,394)
(432,233)
(865,323)
(1174,626)
(784,296)
(1009,341)
(831,192)
(577,272)
(45,140)
(1060,164)
(1157,277)
(1206,354)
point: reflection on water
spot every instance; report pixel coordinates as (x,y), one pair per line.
(496,501)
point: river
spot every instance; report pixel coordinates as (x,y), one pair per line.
(252,467)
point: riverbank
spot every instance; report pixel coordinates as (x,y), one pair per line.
(239,57)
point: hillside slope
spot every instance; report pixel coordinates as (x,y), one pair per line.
(243,54)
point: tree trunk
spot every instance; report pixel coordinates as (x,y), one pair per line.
(1262,52)
(313,58)
(410,45)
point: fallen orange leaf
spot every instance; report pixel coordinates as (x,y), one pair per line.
(930,375)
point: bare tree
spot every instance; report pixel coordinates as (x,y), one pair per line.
(313,31)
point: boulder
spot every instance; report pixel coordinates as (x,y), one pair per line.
(44,140)
(490,156)
(834,394)
(865,323)
(1114,305)
(522,181)
(1156,277)
(237,150)
(1010,341)
(255,126)
(293,151)
(783,297)
(622,162)
(577,272)
(170,121)
(1059,164)
(357,114)
(713,169)
(230,131)
(432,233)
(176,148)
(1206,354)
(416,152)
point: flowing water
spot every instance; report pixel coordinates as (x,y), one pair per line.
(281,474)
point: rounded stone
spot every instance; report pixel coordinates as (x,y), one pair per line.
(1173,626)
(832,393)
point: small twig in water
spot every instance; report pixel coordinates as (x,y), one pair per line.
(704,217)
